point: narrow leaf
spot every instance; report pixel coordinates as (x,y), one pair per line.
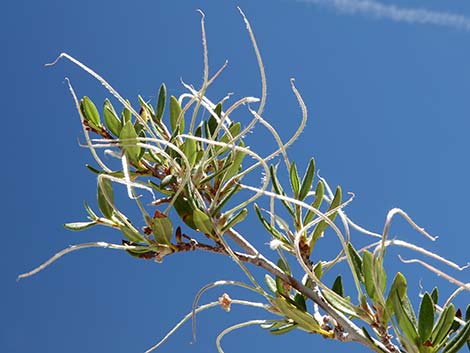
(274,232)
(279,190)
(321,226)
(285,328)
(404,321)
(304,319)
(294,180)
(457,342)
(90,212)
(105,197)
(160,108)
(435,295)
(443,325)
(343,304)
(236,163)
(132,234)
(239,217)
(175,112)
(126,114)
(426,317)
(356,261)
(317,201)
(307,180)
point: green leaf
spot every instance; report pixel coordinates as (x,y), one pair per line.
(105,197)
(234,130)
(90,212)
(160,108)
(317,201)
(282,329)
(189,149)
(322,225)
(281,288)
(294,180)
(210,127)
(374,276)
(132,234)
(228,195)
(405,322)
(185,208)
(443,325)
(299,300)
(371,340)
(146,110)
(338,286)
(111,119)
(435,295)
(128,138)
(303,319)
(270,282)
(343,304)
(284,266)
(399,287)
(239,217)
(274,232)
(90,113)
(77,226)
(454,345)
(175,111)
(202,221)
(367,270)
(236,163)
(356,261)
(467,318)
(307,180)
(318,270)
(426,317)
(126,114)
(162,228)
(279,190)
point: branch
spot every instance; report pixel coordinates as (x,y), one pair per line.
(355,333)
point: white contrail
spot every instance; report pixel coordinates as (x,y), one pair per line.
(396,13)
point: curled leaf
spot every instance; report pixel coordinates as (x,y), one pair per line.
(77,226)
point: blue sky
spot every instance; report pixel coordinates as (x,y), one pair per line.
(389,108)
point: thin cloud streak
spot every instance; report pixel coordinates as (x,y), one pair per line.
(396,13)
